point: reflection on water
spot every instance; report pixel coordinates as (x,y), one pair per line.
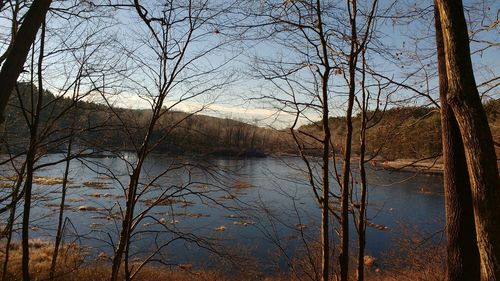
(248,204)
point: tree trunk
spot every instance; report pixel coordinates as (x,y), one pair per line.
(360,270)
(14,62)
(12,217)
(346,170)
(325,181)
(61,211)
(30,162)
(462,253)
(126,225)
(325,240)
(464,101)
(362,205)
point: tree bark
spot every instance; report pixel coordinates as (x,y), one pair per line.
(11,219)
(23,40)
(464,100)
(346,169)
(126,225)
(361,227)
(60,221)
(325,181)
(325,240)
(462,253)
(30,162)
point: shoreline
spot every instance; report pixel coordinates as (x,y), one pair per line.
(411,165)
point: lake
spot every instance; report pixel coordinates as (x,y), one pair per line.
(233,206)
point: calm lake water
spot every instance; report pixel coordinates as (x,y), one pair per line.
(260,204)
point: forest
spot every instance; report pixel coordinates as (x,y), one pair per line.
(249,140)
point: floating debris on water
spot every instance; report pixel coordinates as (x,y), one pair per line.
(377,226)
(424,190)
(220,228)
(97,184)
(240,184)
(186,203)
(89,208)
(8,178)
(183,214)
(301,226)
(244,222)
(108,217)
(57,206)
(185,266)
(164,221)
(6,185)
(198,215)
(235,217)
(164,201)
(47,180)
(96,195)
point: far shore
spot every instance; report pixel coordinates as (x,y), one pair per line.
(411,165)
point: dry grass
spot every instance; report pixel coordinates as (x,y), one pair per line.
(71,266)
(411,263)
(416,256)
(70,258)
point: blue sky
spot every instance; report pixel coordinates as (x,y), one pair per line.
(240,96)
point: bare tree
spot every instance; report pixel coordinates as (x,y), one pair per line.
(176,32)
(306,87)
(30,159)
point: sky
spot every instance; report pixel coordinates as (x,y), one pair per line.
(119,42)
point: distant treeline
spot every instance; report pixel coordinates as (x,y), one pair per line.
(397,133)
(101,127)
(402,132)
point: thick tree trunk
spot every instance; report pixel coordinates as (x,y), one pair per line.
(14,62)
(464,101)
(462,253)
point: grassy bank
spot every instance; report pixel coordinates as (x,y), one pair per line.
(409,262)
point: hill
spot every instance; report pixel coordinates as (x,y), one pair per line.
(402,132)
(397,133)
(99,126)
